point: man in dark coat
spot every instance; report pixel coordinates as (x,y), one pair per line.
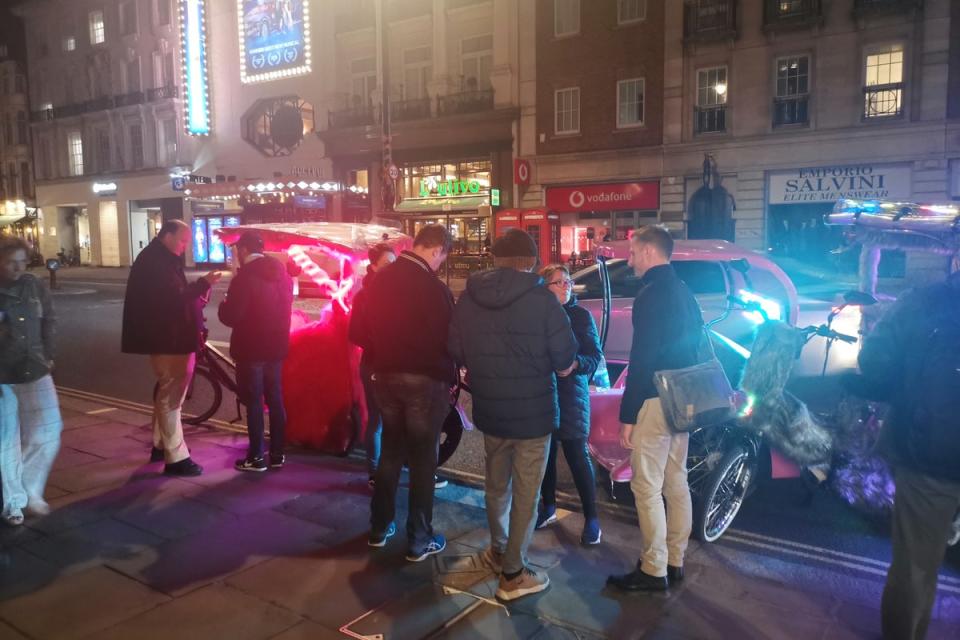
(913,359)
(403,326)
(513,336)
(162,318)
(258,306)
(667,327)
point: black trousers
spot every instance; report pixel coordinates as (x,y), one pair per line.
(578,459)
(923,512)
(413,409)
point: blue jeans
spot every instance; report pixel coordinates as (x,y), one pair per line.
(257,381)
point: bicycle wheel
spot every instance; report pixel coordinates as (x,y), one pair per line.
(725,490)
(203,398)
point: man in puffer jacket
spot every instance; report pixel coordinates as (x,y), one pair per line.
(513,336)
(257,306)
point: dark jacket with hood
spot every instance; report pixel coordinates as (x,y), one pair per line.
(574,390)
(27,331)
(357,317)
(667,330)
(403,319)
(162,314)
(513,336)
(257,307)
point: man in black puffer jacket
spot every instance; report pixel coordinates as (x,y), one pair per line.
(513,335)
(258,306)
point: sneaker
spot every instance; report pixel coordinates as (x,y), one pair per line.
(277,460)
(184,468)
(13,518)
(380,539)
(493,559)
(525,584)
(437,544)
(546,515)
(156,454)
(257,465)
(37,508)
(439,483)
(591,532)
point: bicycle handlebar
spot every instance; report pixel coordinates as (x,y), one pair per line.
(825,332)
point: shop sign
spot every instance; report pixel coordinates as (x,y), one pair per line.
(620,196)
(495,197)
(310,202)
(521,172)
(450,188)
(105,188)
(831,183)
(180,183)
(205,207)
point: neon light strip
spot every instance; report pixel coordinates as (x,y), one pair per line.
(338,291)
(193,37)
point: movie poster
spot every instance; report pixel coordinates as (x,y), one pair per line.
(274,39)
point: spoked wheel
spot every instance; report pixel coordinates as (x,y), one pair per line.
(450,436)
(723,494)
(705,452)
(204,396)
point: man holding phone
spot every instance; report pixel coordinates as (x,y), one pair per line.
(163,318)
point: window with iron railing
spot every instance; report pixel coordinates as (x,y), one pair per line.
(883,83)
(791,13)
(710,112)
(862,7)
(705,19)
(791,104)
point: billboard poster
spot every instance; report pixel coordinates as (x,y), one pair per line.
(274,39)
(217,252)
(200,254)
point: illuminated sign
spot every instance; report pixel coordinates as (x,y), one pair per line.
(200,251)
(495,197)
(105,188)
(450,188)
(193,42)
(274,39)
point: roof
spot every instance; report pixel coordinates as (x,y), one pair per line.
(340,236)
(687,249)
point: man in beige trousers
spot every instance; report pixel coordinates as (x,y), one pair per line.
(667,327)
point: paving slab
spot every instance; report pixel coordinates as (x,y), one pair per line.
(217,611)
(79,604)
(489,621)
(309,630)
(77,419)
(91,545)
(101,431)
(22,573)
(9,633)
(103,473)
(69,457)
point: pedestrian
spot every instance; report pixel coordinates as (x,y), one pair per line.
(513,336)
(667,330)
(30,422)
(573,393)
(403,327)
(162,318)
(913,358)
(257,307)
(379,256)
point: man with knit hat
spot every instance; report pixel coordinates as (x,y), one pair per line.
(515,339)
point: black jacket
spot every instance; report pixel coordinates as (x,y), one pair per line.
(892,361)
(27,331)
(403,319)
(574,390)
(162,314)
(357,315)
(512,335)
(667,329)
(258,306)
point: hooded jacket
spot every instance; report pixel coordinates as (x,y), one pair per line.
(162,314)
(574,390)
(257,307)
(513,336)
(26,332)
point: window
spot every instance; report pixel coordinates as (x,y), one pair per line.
(363,82)
(103,151)
(19,84)
(136,146)
(566,17)
(22,128)
(133,75)
(629,11)
(128,18)
(69,43)
(630,103)
(711,109)
(11,180)
(567,106)
(883,83)
(791,105)
(8,130)
(476,62)
(701,276)
(168,140)
(97,32)
(417,72)
(163,12)
(45,166)
(75,153)
(25,189)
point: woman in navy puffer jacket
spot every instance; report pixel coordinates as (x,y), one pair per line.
(574,395)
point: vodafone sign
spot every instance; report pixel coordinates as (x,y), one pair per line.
(619,196)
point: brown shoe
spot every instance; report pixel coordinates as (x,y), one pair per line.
(493,559)
(525,584)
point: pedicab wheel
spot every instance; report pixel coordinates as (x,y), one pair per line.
(724,491)
(450,436)
(203,398)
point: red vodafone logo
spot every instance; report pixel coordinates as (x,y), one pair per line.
(521,172)
(616,196)
(577,199)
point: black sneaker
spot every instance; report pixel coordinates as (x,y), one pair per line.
(257,465)
(277,460)
(438,482)
(380,539)
(156,454)
(436,544)
(184,468)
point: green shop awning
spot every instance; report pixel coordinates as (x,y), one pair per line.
(420,205)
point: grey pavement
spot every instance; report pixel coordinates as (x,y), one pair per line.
(128,553)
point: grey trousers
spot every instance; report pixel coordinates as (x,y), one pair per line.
(514,474)
(923,513)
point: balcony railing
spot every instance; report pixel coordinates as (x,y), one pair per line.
(863,8)
(356,117)
(883,101)
(710,119)
(789,14)
(105,103)
(793,110)
(416,109)
(710,20)
(466,102)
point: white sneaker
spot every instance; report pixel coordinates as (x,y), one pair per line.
(37,507)
(525,584)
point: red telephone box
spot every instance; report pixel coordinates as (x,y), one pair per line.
(542,225)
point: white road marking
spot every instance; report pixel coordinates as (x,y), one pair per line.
(96,411)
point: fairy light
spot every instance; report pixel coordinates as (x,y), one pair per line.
(249,76)
(338,291)
(193,55)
